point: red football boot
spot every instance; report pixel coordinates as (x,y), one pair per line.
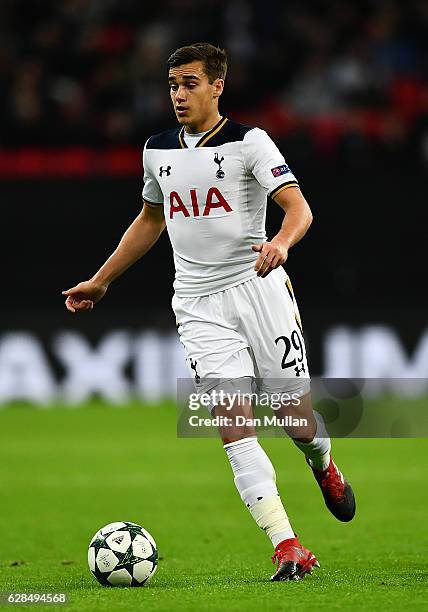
(337,492)
(294,561)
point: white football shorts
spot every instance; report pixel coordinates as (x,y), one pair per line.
(250,330)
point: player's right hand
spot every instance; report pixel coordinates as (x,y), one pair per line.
(84,296)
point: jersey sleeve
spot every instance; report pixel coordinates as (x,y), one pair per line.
(265,162)
(152,193)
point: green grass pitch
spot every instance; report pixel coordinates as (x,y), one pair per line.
(66,472)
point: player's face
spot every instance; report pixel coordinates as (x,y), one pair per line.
(194,98)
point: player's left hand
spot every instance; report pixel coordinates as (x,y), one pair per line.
(272,255)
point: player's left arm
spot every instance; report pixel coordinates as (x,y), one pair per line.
(297,219)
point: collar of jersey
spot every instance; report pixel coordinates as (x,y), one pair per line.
(206,138)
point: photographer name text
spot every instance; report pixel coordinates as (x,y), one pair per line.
(240,420)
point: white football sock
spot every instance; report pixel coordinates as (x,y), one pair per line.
(317,451)
(255,481)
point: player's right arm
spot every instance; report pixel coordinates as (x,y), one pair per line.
(140,236)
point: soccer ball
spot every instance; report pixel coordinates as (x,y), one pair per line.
(122,554)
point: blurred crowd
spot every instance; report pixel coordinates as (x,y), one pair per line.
(345,80)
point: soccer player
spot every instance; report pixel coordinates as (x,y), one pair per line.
(207,181)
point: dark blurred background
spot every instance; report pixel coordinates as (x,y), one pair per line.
(342,87)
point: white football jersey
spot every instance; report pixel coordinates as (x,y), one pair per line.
(214,199)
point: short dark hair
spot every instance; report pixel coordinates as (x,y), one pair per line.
(213,58)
